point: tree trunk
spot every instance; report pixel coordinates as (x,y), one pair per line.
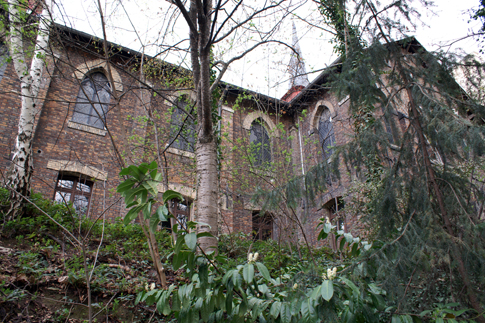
(20,171)
(439,198)
(154,252)
(207,193)
(199,20)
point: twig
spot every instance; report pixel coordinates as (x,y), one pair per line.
(94,316)
(406,290)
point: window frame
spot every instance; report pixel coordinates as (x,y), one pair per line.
(262,154)
(187,213)
(262,226)
(179,119)
(74,191)
(328,138)
(83,102)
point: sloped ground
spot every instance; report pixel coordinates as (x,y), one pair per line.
(39,285)
(42,273)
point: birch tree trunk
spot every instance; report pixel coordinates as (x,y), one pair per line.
(199,20)
(21,169)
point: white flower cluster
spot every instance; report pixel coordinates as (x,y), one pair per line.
(252,258)
(152,286)
(331,274)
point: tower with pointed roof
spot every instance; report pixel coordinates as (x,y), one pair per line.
(296,69)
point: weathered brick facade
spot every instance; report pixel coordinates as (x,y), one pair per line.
(138,129)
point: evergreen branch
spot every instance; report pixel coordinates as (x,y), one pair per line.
(457,198)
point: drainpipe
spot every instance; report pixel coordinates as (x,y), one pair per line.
(301,147)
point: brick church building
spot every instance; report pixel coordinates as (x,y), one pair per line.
(95,117)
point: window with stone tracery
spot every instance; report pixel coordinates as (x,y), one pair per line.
(182,126)
(260,143)
(92,101)
(326,133)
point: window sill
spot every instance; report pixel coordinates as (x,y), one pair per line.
(180,152)
(86,128)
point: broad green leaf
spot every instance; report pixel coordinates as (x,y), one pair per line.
(126,185)
(147,210)
(139,297)
(236,279)
(162,213)
(153,165)
(191,240)
(350,284)
(131,194)
(125,171)
(275,309)
(263,270)
(151,186)
(154,223)
(132,214)
(204,234)
(135,172)
(199,303)
(178,245)
(406,319)
(227,276)
(205,312)
(169,194)
(248,272)
(285,313)
(327,289)
(307,310)
(229,301)
(316,292)
(322,235)
(355,250)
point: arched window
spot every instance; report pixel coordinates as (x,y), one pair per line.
(92,101)
(182,126)
(325,131)
(260,143)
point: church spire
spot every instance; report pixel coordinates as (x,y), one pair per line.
(298,76)
(297,70)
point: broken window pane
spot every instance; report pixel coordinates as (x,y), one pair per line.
(75,190)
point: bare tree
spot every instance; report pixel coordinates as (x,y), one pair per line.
(205,32)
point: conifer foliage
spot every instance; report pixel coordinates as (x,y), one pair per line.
(417,152)
(419,140)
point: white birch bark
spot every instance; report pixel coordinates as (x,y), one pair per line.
(21,169)
(208,186)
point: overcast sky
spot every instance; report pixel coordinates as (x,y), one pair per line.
(265,70)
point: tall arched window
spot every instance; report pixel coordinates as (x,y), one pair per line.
(260,143)
(182,126)
(325,131)
(92,101)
